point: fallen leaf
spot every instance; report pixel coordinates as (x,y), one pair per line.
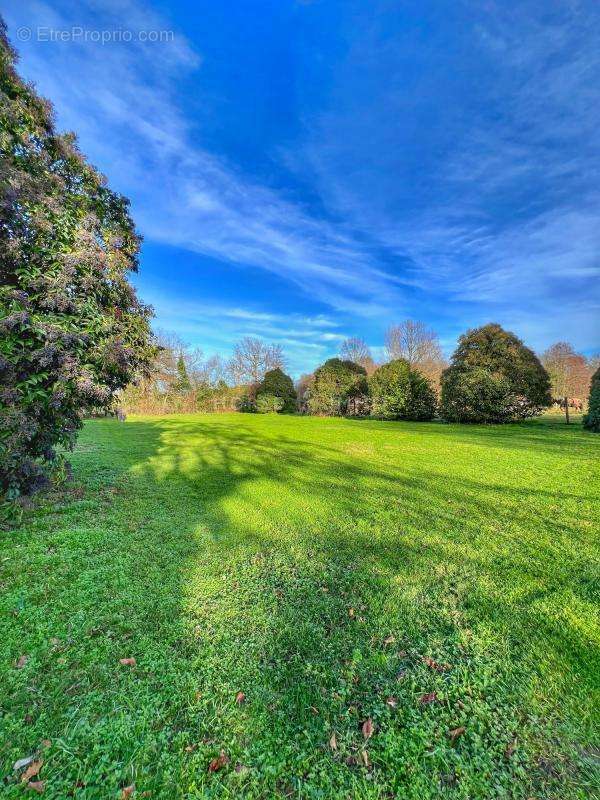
(510,748)
(314,710)
(350,612)
(46,742)
(31,771)
(392,702)
(240,697)
(389,640)
(367,728)
(127,791)
(37,786)
(365,758)
(455,733)
(21,661)
(22,762)
(190,748)
(127,662)
(425,699)
(434,665)
(333,742)
(218,763)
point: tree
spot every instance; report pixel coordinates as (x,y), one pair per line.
(335,382)
(252,358)
(399,392)
(269,404)
(591,420)
(72,330)
(182,383)
(278,384)
(569,373)
(357,350)
(419,346)
(493,377)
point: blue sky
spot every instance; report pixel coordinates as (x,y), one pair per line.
(307,170)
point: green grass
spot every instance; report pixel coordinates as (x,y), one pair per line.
(312,564)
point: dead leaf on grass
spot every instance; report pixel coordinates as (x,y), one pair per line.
(218,763)
(367,728)
(127,662)
(455,733)
(32,770)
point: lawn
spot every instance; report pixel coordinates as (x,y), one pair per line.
(408,611)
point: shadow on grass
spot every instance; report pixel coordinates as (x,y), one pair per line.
(238,558)
(307,560)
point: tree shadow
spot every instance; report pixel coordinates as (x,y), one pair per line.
(316,584)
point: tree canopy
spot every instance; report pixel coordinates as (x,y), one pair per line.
(72,330)
(335,382)
(493,377)
(278,384)
(591,420)
(399,392)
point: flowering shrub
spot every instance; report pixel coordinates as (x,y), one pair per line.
(72,331)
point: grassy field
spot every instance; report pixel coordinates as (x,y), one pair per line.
(410,611)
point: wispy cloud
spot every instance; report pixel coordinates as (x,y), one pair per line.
(122,102)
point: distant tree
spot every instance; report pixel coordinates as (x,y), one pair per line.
(399,392)
(569,373)
(357,350)
(252,358)
(335,382)
(72,330)
(182,383)
(303,388)
(493,377)
(269,404)
(419,346)
(278,384)
(591,420)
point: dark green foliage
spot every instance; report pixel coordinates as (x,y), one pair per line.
(278,384)
(72,331)
(591,420)
(182,384)
(335,383)
(399,392)
(269,404)
(246,404)
(493,377)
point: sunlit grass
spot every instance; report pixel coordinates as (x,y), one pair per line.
(314,565)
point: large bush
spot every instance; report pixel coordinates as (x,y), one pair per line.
(269,404)
(72,331)
(335,383)
(399,392)
(493,377)
(278,384)
(591,420)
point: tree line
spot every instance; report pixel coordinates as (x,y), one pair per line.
(492,377)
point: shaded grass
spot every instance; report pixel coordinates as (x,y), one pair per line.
(311,564)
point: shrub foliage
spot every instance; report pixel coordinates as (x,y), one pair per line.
(278,384)
(399,392)
(72,331)
(591,420)
(335,383)
(493,377)
(269,404)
